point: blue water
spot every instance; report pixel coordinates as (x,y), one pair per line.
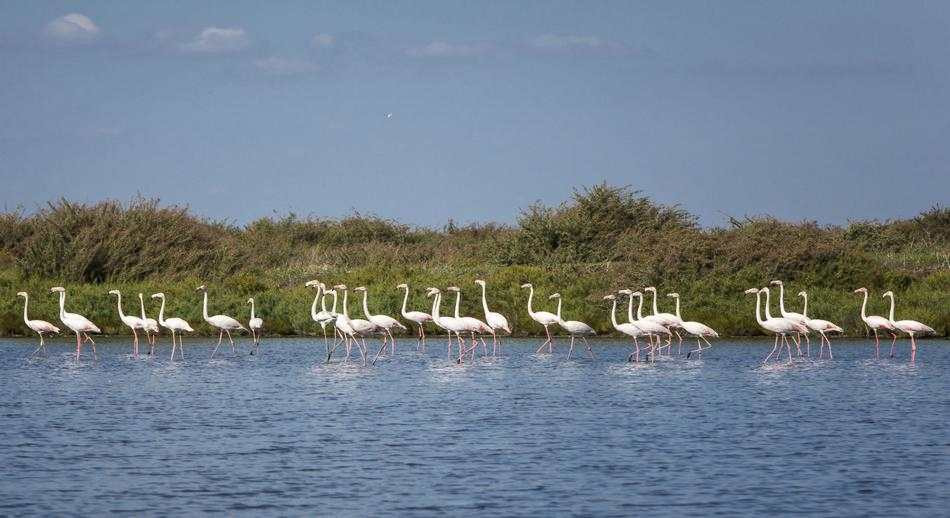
(280,433)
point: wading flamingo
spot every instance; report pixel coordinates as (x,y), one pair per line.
(575,328)
(151,326)
(343,327)
(385,323)
(876,323)
(782,327)
(821,326)
(795,317)
(256,325)
(472,325)
(652,327)
(135,323)
(77,323)
(174,325)
(323,317)
(223,323)
(695,329)
(667,320)
(495,320)
(39,327)
(913,328)
(419,318)
(450,324)
(544,318)
(627,328)
(358,329)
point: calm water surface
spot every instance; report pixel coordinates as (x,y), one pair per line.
(281,433)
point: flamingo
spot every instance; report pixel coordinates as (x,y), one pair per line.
(695,329)
(151,326)
(544,318)
(821,326)
(135,323)
(38,326)
(911,327)
(791,315)
(875,323)
(356,328)
(650,326)
(495,320)
(76,322)
(343,327)
(385,324)
(256,325)
(417,317)
(630,329)
(472,325)
(782,327)
(223,323)
(324,317)
(173,324)
(667,320)
(450,324)
(575,328)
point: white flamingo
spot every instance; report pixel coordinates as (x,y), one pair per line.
(135,323)
(39,327)
(151,326)
(821,326)
(472,325)
(495,320)
(628,328)
(323,317)
(782,327)
(698,330)
(913,328)
(76,322)
(256,325)
(667,320)
(450,324)
(544,318)
(791,315)
(174,325)
(385,323)
(651,326)
(223,323)
(876,323)
(575,328)
(419,318)
(356,330)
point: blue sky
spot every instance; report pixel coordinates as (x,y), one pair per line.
(805,110)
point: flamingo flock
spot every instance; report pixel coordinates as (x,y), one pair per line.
(465,332)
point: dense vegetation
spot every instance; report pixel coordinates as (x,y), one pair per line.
(605,238)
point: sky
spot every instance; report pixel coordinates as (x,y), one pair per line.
(471,111)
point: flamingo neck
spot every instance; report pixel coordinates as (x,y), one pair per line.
(655,312)
(805,306)
(613,314)
(530,296)
(435,307)
(559,300)
(458,301)
(781,299)
(334,303)
(405,300)
(365,307)
(678,308)
(204,306)
(484,302)
(758,317)
(252,309)
(142,306)
(345,312)
(26,302)
(119,304)
(313,307)
(768,316)
(864,306)
(323,298)
(891,318)
(639,309)
(161,312)
(62,305)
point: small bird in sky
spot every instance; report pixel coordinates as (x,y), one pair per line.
(389,115)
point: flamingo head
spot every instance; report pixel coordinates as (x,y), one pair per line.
(555,296)
(340,287)
(650,288)
(626,292)
(113,292)
(674,295)
(453,289)
(527,285)
(764,290)
(57,289)
(775,283)
(329,292)
(888,293)
(403,285)
(21,294)
(751,290)
(250,300)
(140,296)
(609,297)
(861,290)
(158,295)
(430,291)
(313,283)
(359,288)
(201,288)
(802,294)
(480,282)
(638,294)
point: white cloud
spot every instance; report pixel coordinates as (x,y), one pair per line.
(285,66)
(321,41)
(442,49)
(217,40)
(566,42)
(72,28)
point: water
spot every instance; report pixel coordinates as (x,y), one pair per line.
(283,434)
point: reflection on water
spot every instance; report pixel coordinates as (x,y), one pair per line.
(524,434)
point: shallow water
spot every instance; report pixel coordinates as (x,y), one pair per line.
(281,433)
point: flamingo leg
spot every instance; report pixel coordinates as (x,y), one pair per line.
(220,337)
(913,348)
(392,341)
(788,347)
(546,342)
(774,347)
(589,350)
(877,345)
(571,350)
(807,346)
(78,346)
(893,344)
(362,347)
(228,331)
